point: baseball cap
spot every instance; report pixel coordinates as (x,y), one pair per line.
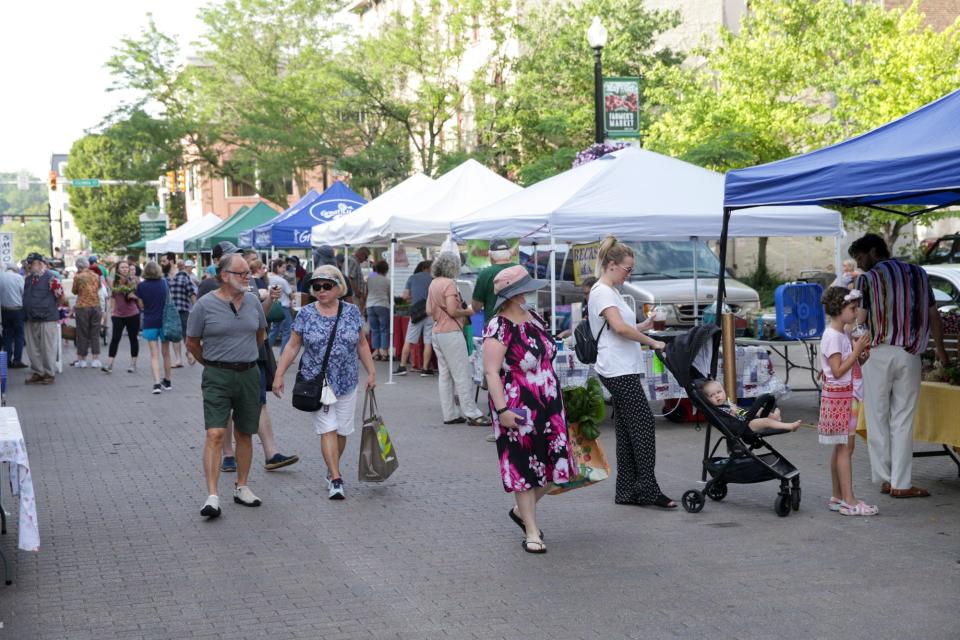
(92,259)
(321,274)
(499,244)
(32,257)
(224,248)
(189,263)
(514,281)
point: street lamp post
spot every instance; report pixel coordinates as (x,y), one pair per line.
(597,38)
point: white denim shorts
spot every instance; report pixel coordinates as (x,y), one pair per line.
(339,417)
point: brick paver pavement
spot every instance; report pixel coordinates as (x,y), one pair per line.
(431,553)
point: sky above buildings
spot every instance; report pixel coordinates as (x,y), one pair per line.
(54,81)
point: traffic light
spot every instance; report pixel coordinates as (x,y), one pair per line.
(172,181)
(182,180)
(53,181)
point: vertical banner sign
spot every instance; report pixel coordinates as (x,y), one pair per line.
(584,259)
(6,250)
(621,118)
(478,252)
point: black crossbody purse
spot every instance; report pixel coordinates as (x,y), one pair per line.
(306,393)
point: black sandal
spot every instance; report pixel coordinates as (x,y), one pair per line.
(519,521)
(527,546)
(664,502)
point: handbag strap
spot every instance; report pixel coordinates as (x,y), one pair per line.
(326,355)
(370,401)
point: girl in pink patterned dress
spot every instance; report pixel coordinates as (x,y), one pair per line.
(840,359)
(529,421)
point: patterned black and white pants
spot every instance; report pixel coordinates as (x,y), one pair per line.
(636,441)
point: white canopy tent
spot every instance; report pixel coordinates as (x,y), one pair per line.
(423,217)
(337,231)
(636,195)
(420,215)
(174,239)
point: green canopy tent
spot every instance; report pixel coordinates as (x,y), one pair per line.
(192,244)
(231,228)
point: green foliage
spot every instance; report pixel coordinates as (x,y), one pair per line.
(377,167)
(585,406)
(33,236)
(15,202)
(544,111)
(108,215)
(765,282)
(803,74)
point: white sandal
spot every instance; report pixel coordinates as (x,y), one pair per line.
(859,509)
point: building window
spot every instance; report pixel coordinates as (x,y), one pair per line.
(237,189)
(66,224)
(288,185)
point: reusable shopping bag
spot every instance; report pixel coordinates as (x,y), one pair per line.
(591,463)
(276,312)
(378,456)
(172,329)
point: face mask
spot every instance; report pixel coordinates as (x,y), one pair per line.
(530,300)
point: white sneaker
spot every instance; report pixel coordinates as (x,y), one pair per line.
(243,495)
(81,364)
(336,489)
(132,368)
(211,508)
(96,364)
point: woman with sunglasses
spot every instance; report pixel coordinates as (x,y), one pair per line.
(312,330)
(619,340)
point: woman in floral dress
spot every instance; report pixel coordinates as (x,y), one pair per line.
(529,422)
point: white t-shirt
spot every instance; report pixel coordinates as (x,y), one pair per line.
(285,288)
(831,342)
(616,356)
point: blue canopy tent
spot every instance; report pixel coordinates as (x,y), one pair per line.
(293,231)
(914,160)
(248,237)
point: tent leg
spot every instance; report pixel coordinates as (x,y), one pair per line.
(696,287)
(721,285)
(393,263)
(838,255)
(553,288)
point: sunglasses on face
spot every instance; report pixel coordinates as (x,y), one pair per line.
(626,270)
(322,286)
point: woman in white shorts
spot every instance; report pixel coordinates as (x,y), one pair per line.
(311,330)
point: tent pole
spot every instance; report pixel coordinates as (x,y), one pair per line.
(393,264)
(696,288)
(838,255)
(535,263)
(553,287)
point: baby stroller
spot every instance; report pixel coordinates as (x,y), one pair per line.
(750,458)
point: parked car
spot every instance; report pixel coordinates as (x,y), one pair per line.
(945,282)
(945,249)
(662,275)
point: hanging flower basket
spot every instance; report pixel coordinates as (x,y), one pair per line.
(597,150)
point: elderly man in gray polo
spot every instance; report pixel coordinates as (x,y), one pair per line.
(223,332)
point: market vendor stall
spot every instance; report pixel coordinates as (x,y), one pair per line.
(173,240)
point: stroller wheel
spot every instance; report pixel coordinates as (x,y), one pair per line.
(717,491)
(795,498)
(782,505)
(692,501)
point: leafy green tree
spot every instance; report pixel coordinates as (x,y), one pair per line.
(802,74)
(108,215)
(32,236)
(539,104)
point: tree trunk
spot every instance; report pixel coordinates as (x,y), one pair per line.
(762,255)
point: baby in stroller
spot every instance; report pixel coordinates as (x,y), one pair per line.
(763,415)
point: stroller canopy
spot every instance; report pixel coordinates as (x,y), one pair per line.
(690,355)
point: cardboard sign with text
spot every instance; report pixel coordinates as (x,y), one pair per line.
(584,259)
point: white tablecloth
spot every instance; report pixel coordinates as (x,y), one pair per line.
(755,373)
(14,450)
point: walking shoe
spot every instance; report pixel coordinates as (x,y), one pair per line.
(157,389)
(47,380)
(211,508)
(327,478)
(243,495)
(336,489)
(229,464)
(491,437)
(80,364)
(400,371)
(166,385)
(132,368)
(107,369)
(426,373)
(18,365)
(96,364)
(34,379)
(279,460)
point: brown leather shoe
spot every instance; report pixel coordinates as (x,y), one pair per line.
(47,380)
(912,492)
(885,487)
(34,379)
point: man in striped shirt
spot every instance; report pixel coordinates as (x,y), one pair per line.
(899,310)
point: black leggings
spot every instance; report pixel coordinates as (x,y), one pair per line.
(132,325)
